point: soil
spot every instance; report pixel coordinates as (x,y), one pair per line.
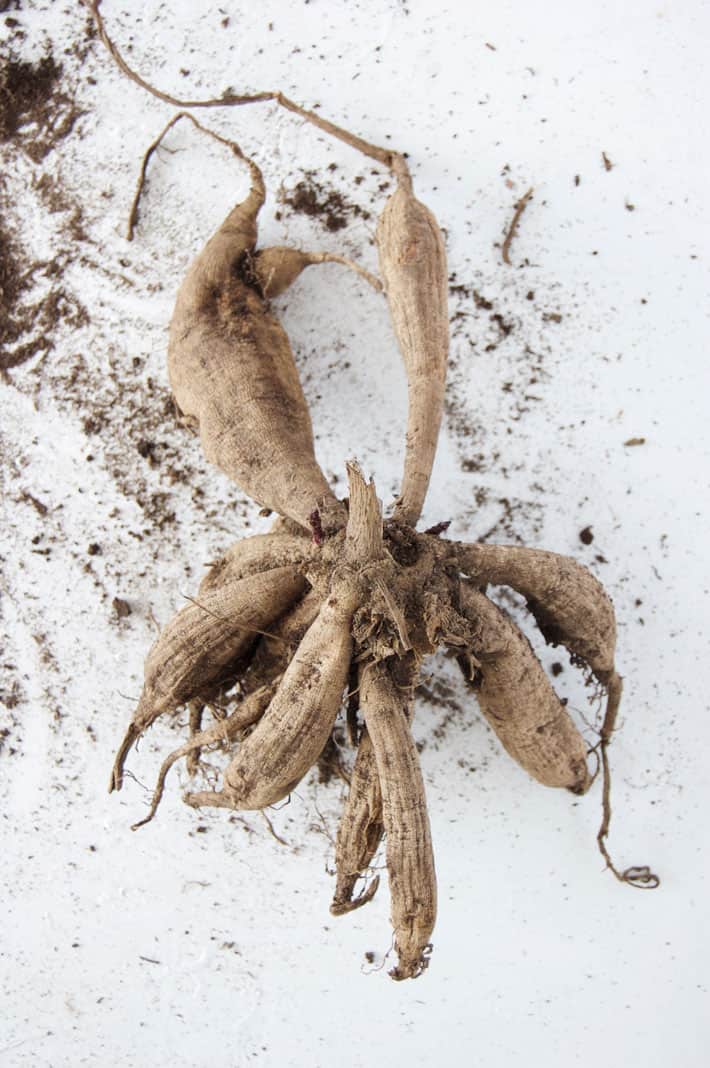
(29,312)
(38,110)
(37,113)
(322,202)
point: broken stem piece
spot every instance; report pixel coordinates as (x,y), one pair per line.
(513,228)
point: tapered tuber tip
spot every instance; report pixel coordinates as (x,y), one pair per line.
(116,780)
(345,902)
(412,967)
(583,779)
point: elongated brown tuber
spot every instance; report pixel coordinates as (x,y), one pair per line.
(410,859)
(413,267)
(362,822)
(292,732)
(570,606)
(232,371)
(517,698)
(198,645)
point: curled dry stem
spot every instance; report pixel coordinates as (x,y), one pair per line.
(384,156)
(639,876)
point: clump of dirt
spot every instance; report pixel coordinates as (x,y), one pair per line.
(29,316)
(322,202)
(36,110)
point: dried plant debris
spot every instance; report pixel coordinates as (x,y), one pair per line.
(337,606)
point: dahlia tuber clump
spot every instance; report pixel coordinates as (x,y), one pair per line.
(336,598)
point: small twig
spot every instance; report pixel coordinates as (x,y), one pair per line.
(513,228)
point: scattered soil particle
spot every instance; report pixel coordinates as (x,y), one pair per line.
(556,668)
(504,327)
(38,505)
(635,441)
(607,162)
(585,536)
(121,607)
(440,694)
(481,302)
(311,197)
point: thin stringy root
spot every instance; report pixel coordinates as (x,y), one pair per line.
(379,598)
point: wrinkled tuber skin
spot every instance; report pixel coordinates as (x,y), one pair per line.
(291,734)
(570,606)
(413,267)
(410,858)
(250,556)
(384,597)
(200,643)
(517,698)
(259,683)
(233,373)
(362,824)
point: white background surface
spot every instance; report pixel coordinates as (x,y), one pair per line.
(216,947)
